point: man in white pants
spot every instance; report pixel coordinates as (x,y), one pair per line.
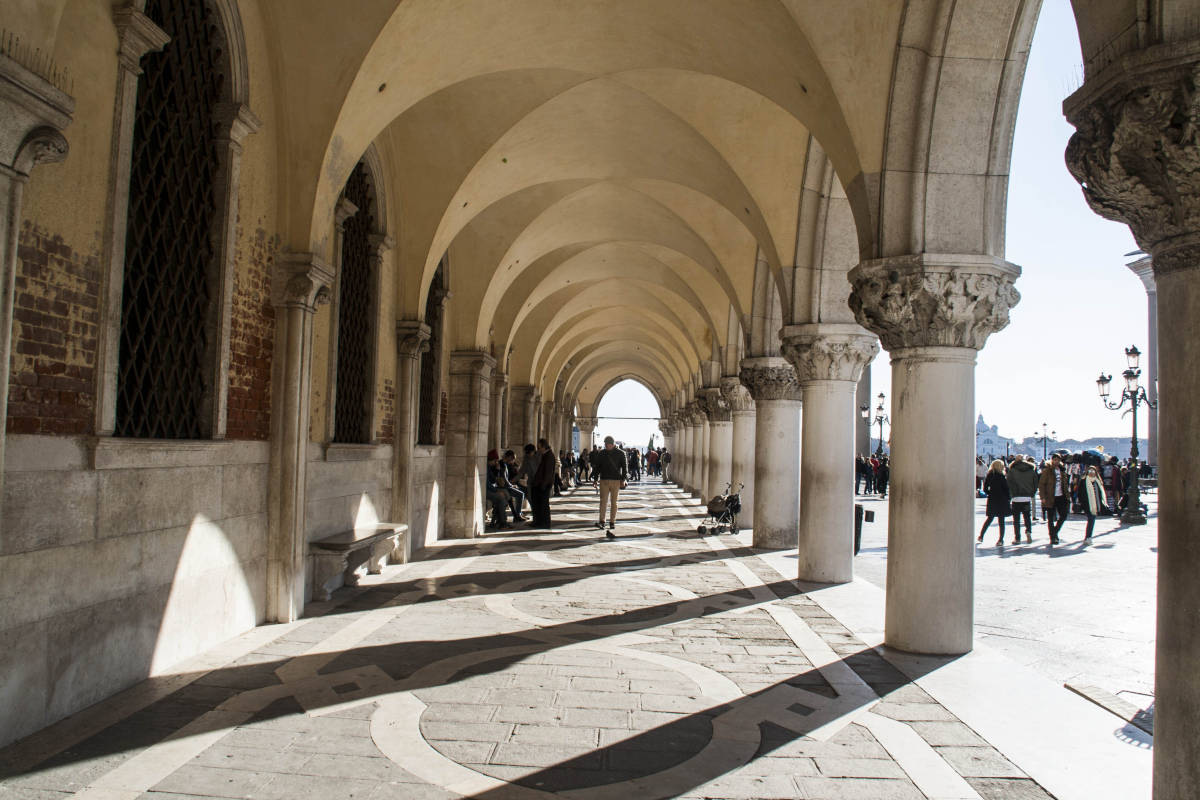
(612,470)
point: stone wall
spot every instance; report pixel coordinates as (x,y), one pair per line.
(120,560)
(428,489)
(251,338)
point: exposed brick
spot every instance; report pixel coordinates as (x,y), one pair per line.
(252,337)
(54,359)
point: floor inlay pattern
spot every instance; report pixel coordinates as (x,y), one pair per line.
(534,664)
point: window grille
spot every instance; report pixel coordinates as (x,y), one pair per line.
(431,371)
(164,381)
(352,408)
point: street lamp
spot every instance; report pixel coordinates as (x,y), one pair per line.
(1136,395)
(1044,438)
(880,418)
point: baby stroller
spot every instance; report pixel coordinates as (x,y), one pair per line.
(722,512)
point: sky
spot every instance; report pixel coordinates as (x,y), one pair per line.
(1080,305)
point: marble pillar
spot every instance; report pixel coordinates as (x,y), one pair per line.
(1144,269)
(668,432)
(300,283)
(546,424)
(496,432)
(1144,103)
(467,442)
(741,408)
(719,462)
(772,383)
(35,113)
(829,360)
(412,339)
(587,432)
(933,313)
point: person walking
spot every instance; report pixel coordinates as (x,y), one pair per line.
(999,502)
(1022,485)
(651,463)
(1093,500)
(613,471)
(981,472)
(882,476)
(1055,494)
(665,462)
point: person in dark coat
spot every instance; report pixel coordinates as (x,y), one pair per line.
(999,501)
(1022,486)
(542,484)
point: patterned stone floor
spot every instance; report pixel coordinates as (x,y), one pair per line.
(533,664)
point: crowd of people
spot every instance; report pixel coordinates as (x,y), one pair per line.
(871,474)
(541,475)
(1063,484)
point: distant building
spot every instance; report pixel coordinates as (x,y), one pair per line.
(989,442)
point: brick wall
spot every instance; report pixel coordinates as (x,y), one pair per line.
(252,339)
(387,417)
(55,324)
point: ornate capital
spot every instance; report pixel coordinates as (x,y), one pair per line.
(1136,149)
(698,410)
(343,211)
(714,401)
(769,379)
(933,300)
(586,423)
(667,428)
(828,352)
(412,338)
(301,280)
(736,396)
(235,121)
(136,35)
(472,362)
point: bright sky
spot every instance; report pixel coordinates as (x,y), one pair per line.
(1080,305)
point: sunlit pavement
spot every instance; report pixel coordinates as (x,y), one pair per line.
(1080,613)
(537,663)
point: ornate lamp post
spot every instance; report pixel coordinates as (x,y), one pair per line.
(1136,395)
(880,418)
(1044,438)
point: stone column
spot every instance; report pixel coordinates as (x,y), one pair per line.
(1137,155)
(699,449)
(741,407)
(720,443)
(772,383)
(587,430)
(300,283)
(412,339)
(546,423)
(467,442)
(35,113)
(521,418)
(933,313)
(862,427)
(828,359)
(496,418)
(1144,269)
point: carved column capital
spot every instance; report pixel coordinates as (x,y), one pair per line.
(828,352)
(714,402)
(1136,149)
(472,362)
(736,396)
(235,121)
(412,338)
(586,423)
(499,382)
(931,300)
(301,280)
(769,378)
(343,211)
(667,428)
(35,113)
(698,410)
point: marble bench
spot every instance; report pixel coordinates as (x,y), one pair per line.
(338,558)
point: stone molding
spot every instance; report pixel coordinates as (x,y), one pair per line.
(586,423)
(472,362)
(301,280)
(827,353)
(769,378)
(1136,149)
(667,428)
(736,396)
(412,338)
(137,35)
(714,401)
(499,382)
(37,112)
(931,300)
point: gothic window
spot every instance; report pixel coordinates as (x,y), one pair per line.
(165,384)
(356,320)
(428,430)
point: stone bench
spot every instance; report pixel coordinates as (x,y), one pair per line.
(338,558)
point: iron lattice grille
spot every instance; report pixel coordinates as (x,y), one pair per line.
(164,378)
(352,409)
(431,369)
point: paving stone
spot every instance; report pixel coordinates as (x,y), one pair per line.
(540,755)
(856,789)
(948,734)
(1008,789)
(979,762)
(674,703)
(838,767)
(598,718)
(262,739)
(466,752)
(546,734)
(528,714)
(214,781)
(346,766)
(914,712)
(453,712)
(336,744)
(466,731)
(621,700)
(255,759)
(767,787)
(600,684)
(291,787)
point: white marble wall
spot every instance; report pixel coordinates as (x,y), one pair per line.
(429,481)
(118,562)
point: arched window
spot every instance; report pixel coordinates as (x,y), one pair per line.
(429,402)
(354,397)
(170,329)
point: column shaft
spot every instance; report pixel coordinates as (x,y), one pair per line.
(931,548)
(720,457)
(776,473)
(826,541)
(743,463)
(466,442)
(412,338)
